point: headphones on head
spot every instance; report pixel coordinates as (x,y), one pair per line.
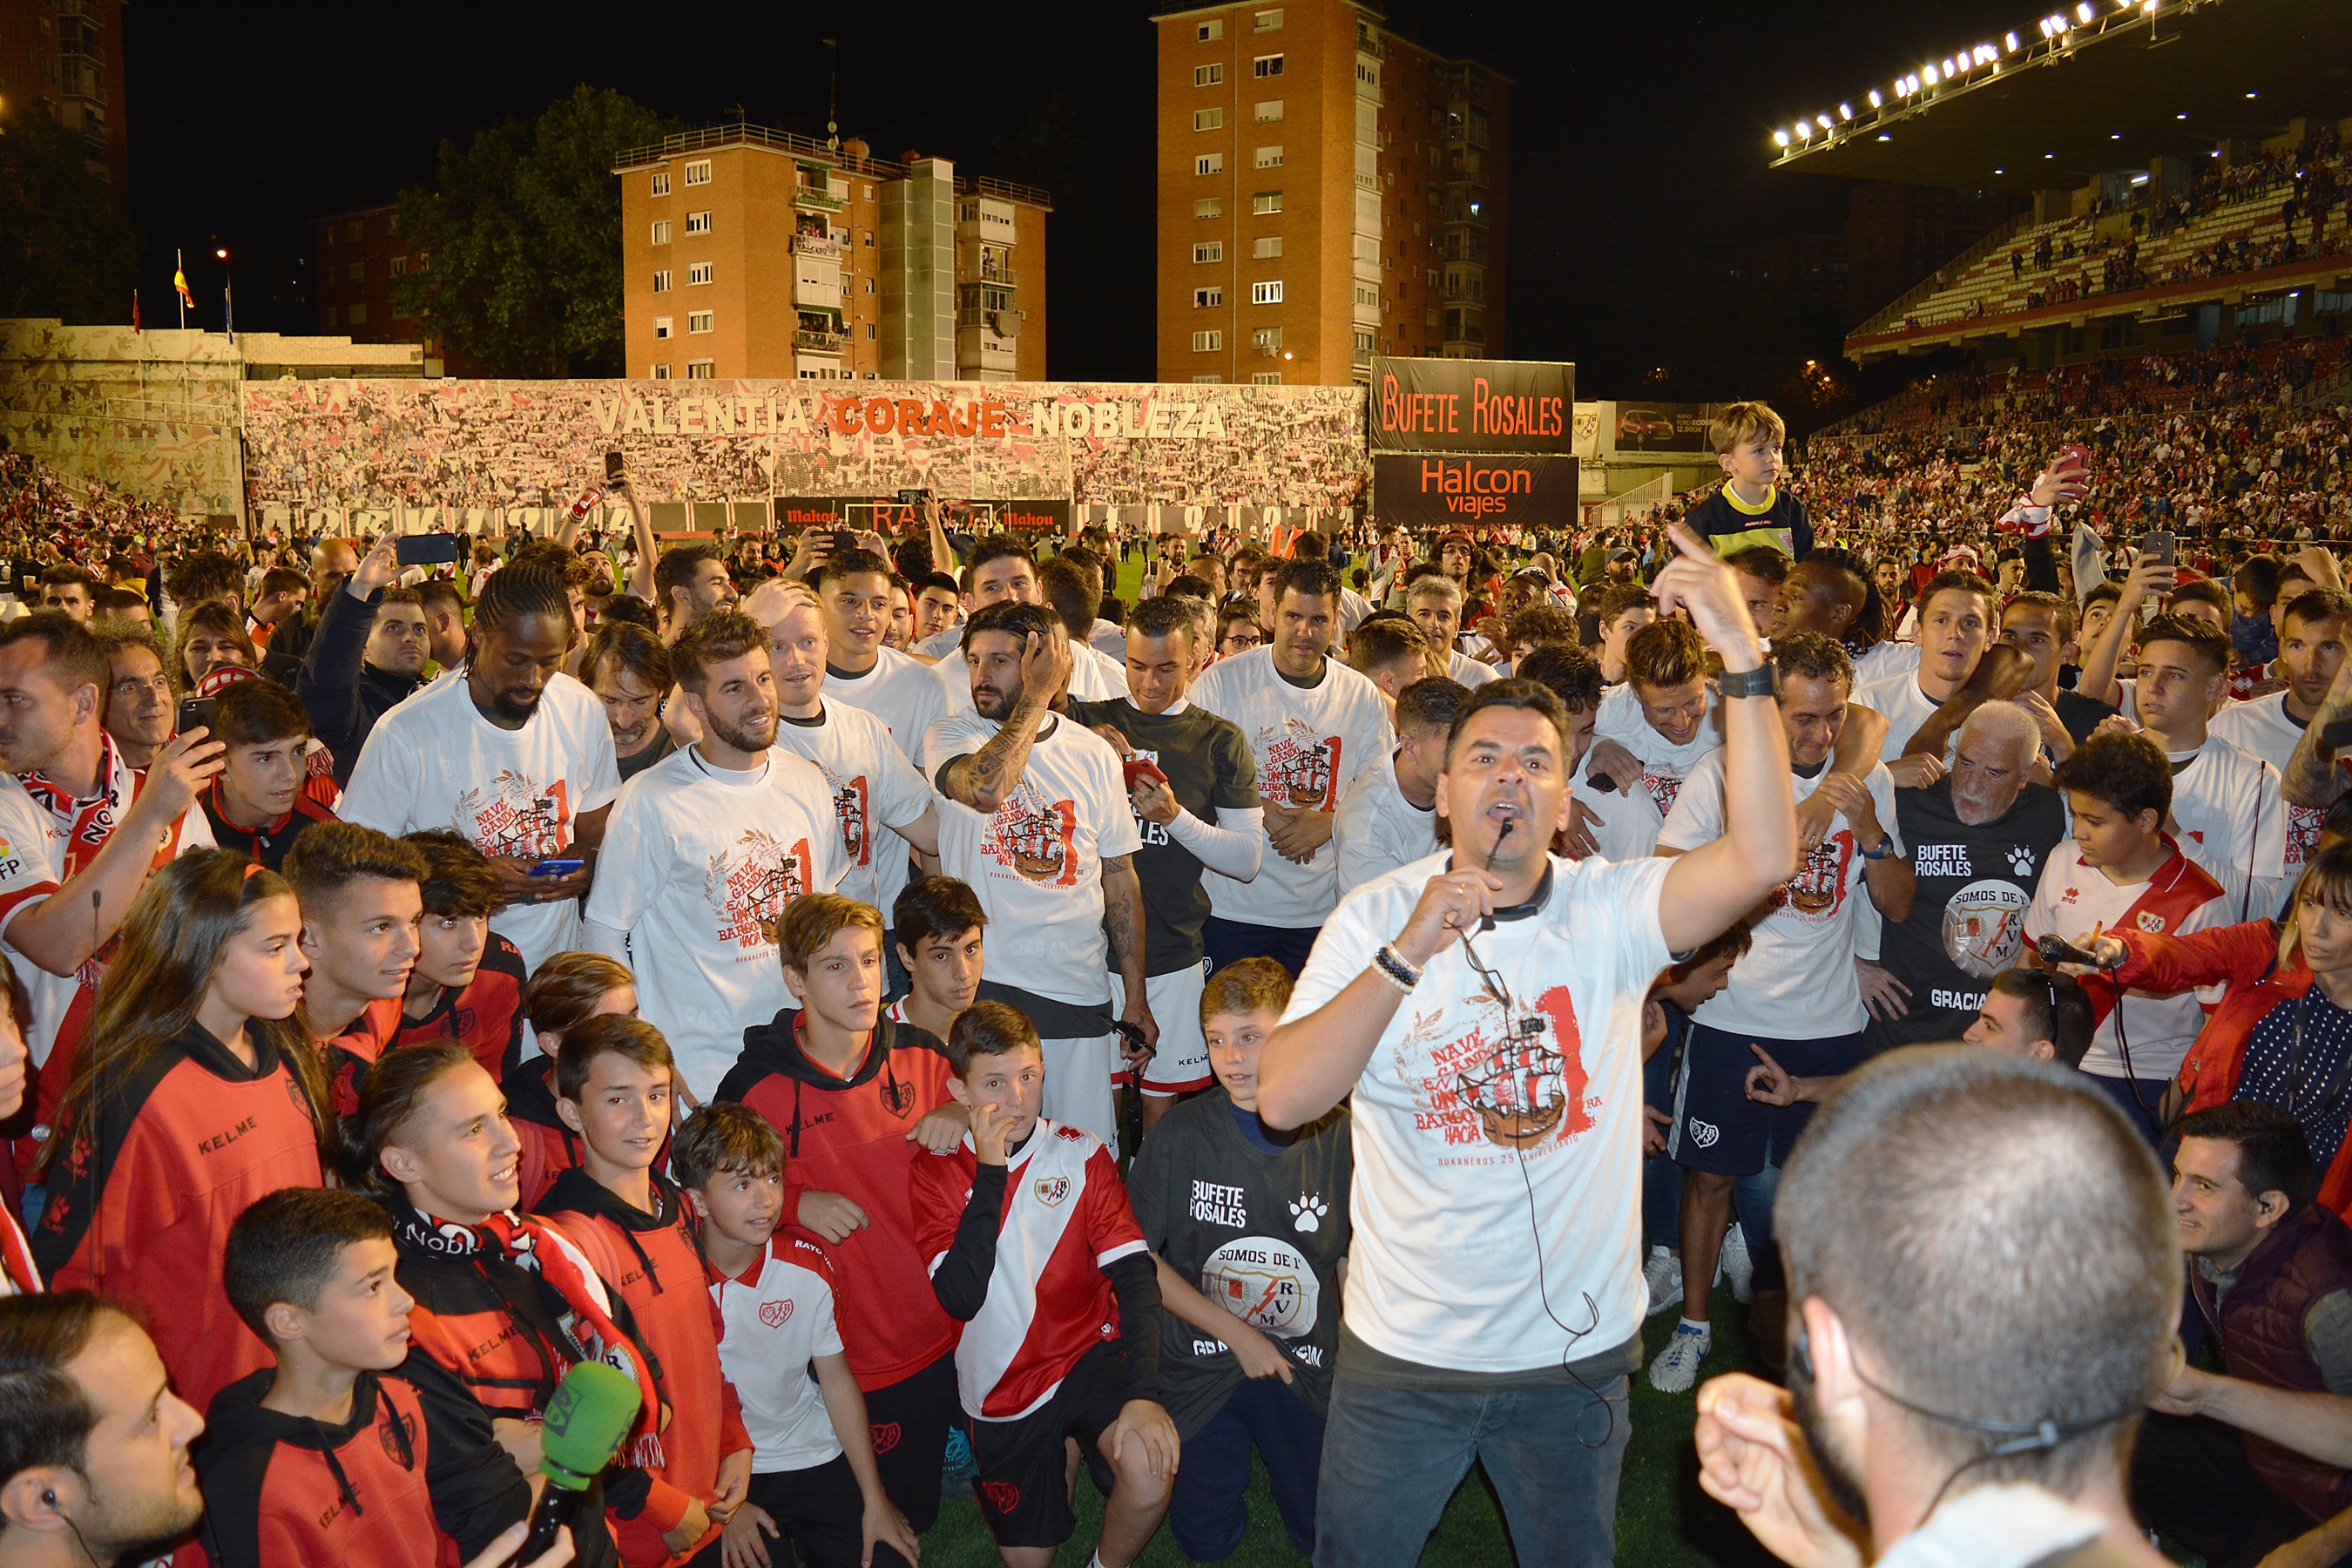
(2019,1436)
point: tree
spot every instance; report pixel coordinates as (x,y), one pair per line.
(520,238)
(63,251)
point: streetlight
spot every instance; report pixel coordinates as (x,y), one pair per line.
(228,293)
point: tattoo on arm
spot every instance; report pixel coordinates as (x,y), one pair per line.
(2307,780)
(981,779)
(1121,920)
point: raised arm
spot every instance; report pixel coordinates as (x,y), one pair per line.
(2097,680)
(1714,884)
(2311,777)
(981,779)
(641,524)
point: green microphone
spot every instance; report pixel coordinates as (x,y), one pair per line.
(591,1413)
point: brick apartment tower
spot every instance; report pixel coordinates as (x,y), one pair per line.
(752,252)
(1328,190)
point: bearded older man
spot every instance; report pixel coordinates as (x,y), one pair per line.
(1978,838)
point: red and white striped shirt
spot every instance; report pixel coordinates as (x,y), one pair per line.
(1065,1219)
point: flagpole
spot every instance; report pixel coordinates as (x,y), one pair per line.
(180,269)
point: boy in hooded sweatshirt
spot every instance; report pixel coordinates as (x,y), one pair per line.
(856,1098)
(613,1087)
(337,1453)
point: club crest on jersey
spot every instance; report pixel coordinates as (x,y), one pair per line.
(2151,922)
(1051,1190)
(398,1435)
(776,1314)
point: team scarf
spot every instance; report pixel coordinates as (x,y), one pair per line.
(532,1245)
(89,823)
(17,1258)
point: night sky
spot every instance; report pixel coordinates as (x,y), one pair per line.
(1639,133)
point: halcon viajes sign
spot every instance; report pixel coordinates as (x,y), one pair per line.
(1433,490)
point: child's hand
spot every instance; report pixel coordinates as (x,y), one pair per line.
(942,1129)
(734,1485)
(740,1545)
(682,1537)
(988,1130)
(885,1524)
(1142,1422)
(830,1215)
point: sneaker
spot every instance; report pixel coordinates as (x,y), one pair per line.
(1734,1264)
(1663,1275)
(1677,1365)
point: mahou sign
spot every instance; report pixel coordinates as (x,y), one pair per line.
(1437,489)
(1473,405)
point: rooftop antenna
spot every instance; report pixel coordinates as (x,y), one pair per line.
(831,95)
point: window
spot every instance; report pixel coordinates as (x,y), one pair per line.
(1363,344)
(700,370)
(1266,340)
(698,172)
(698,272)
(662,326)
(1209,31)
(696,223)
(661,231)
(1433,277)
(1210,379)
(1208,119)
(1209,163)
(1266,201)
(869,238)
(661,188)
(1267,21)
(1266,293)
(1269,158)
(1208,342)
(400,266)
(1207,299)
(356,272)
(1208,250)
(1265,378)
(869,338)
(661,282)
(1208,76)
(698,320)
(870,285)
(1209,206)
(355,230)
(1368,295)
(1262,67)
(331,315)
(1265,245)
(358,316)
(661,372)
(1269,109)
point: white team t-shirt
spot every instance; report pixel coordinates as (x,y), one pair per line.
(2264,728)
(1378,829)
(1798,981)
(1468,671)
(2232,822)
(1882,659)
(1898,696)
(1310,743)
(2071,900)
(1456,1117)
(904,693)
(771,1327)
(699,864)
(874,786)
(435,761)
(1664,763)
(1626,825)
(1037,862)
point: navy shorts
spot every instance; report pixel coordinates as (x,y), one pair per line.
(1717,1128)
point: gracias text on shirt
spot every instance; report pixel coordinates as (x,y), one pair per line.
(989,419)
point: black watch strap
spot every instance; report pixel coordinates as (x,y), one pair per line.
(1764,681)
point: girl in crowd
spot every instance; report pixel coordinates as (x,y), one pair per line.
(195,1091)
(209,636)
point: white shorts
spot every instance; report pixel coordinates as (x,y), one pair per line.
(1078,1083)
(1182,1064)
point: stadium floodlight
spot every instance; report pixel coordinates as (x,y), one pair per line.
(1875,100)
(1845,111)
(1804,132)
(1824,122)
(2085,13)
(1948,67)
(1780,138)
(1929,72)
(2008,41)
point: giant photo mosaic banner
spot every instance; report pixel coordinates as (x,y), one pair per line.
(373,445)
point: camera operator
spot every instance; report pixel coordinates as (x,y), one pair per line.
(1984,1274)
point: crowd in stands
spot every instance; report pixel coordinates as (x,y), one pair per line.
(906,1013)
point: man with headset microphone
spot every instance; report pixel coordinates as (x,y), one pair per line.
(1484,1007)
(1983,1280)
(94,1467)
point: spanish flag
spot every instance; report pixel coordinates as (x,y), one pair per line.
(180,281)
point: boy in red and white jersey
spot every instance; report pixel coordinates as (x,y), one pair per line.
(2120,872)
(1027,1230)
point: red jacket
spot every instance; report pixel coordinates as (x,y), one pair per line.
(351,1054)
(487,1016)
(651,1262)
(2244,957)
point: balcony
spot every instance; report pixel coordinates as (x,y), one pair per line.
(816,246)
(818,342)
(817,196)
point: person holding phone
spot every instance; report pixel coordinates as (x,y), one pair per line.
(367,657)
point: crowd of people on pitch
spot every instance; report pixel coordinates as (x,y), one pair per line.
(911,1016)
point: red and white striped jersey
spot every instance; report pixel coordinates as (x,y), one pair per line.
(1065,1219)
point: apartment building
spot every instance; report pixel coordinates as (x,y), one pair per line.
(1329,191)
(752,252)
(64,58)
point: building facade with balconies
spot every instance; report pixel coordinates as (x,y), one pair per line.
(1328,190)
(64,58)
(748,252)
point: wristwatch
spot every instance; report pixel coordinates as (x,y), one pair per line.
(1764,681)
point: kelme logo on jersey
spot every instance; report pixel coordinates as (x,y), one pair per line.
(1265,1282)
